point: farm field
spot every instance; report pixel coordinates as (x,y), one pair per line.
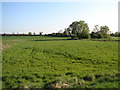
(55,62)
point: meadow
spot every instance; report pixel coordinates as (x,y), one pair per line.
(58,62)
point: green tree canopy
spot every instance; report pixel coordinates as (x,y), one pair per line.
(79,29)
(104,30)
(29,33)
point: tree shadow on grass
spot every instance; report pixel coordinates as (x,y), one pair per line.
(52,40)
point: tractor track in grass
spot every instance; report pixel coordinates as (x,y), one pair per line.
(60,60)
(31,54)
(69,56)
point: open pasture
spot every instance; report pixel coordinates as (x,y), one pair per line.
(55,62)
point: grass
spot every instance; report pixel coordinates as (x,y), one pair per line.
(111,38)
(115,38)
(51,62)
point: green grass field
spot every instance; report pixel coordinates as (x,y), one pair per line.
(55,62)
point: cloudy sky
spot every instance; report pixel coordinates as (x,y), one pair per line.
(52,16)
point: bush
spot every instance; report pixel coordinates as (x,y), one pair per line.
(100,36)
(108,36)
(74,37)
(89,36)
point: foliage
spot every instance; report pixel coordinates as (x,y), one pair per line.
(102,32)
(74,37)
(30,33)
(116,34)
(79,29)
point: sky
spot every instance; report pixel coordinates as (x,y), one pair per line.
(50,17)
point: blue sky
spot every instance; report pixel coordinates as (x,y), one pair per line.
(48,17)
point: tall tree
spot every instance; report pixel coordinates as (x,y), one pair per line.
(102,32)
(79,29)
(105,31)
(96,28)
(66,32)
(40,33)
(29,33)
(96,32)
(34,33)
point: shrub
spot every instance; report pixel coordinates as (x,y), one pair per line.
(74,37)
(100,36)
(108,36)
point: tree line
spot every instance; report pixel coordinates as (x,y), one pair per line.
(80,30)
(77,30)
(23,34)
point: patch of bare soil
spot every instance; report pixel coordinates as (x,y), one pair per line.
(2,46)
